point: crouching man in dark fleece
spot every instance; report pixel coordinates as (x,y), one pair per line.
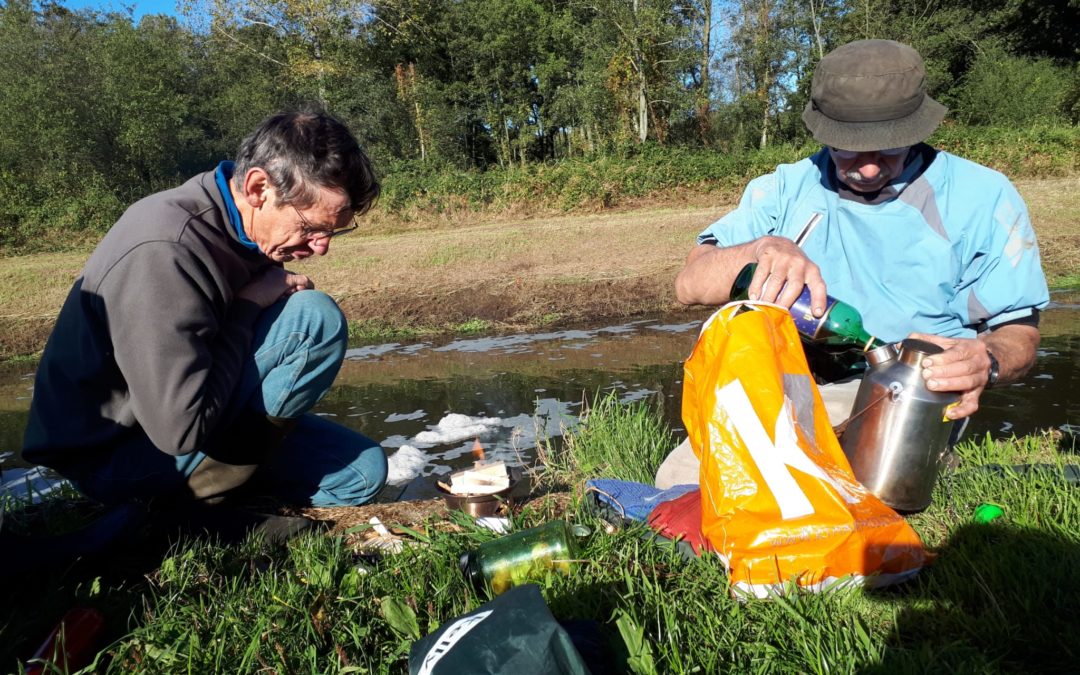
(186,357)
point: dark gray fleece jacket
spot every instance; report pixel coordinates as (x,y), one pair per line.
(150,339)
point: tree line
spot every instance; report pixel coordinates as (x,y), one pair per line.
(99,110)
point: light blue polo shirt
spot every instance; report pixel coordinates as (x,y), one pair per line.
(948,253)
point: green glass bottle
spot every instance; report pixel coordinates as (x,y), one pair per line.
(521,557)
(840,325)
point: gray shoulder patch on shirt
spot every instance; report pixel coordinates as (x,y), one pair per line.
(977,313)
(920,194)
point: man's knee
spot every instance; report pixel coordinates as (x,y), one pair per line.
(320,314)
(357,483)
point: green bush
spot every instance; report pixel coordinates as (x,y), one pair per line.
(1005,90)
(1035,151)
(413,189)
(53,209)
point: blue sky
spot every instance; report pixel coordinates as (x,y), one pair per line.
(139,7)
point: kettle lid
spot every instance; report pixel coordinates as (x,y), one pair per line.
(912,350)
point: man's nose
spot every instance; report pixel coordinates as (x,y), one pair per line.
(869,165)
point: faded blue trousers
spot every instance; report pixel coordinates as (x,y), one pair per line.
(296,353)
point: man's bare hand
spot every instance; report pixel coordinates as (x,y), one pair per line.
(272,284)
(963,367)
(300,282)
(783,269)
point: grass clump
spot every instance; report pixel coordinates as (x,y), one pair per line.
(473,327)
(613,441)
(369,331)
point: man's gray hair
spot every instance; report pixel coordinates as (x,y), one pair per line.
(304,151)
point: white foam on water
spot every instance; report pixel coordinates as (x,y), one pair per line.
(636,395)
(456,427)
(406,417)
(395,441)
(505,439)
(405,464)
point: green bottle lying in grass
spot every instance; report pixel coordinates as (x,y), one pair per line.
(519,558)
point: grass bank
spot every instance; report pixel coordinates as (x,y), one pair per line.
(1000,598)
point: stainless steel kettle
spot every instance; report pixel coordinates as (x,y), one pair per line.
(897,435)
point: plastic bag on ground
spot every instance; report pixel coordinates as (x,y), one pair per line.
(779,501)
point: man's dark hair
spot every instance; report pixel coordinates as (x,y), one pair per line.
(303,151)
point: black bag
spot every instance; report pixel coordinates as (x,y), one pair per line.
(514,633)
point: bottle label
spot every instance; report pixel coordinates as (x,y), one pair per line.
(805,321)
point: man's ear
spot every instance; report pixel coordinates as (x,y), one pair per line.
(257,187)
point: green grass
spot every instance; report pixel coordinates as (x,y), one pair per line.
(1000,598)
(627,442)
(473,327)
(370,331)
(1066,282)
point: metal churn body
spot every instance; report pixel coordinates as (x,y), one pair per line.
(898,435)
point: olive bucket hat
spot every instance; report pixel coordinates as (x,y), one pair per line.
(870,95)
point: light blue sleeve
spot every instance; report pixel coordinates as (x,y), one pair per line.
(1003,278)
(757,215)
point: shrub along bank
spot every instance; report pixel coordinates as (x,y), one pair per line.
(413,190)
(73,208)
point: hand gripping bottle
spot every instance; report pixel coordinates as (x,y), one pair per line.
(840,324)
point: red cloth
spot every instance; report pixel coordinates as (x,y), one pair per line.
(680,518)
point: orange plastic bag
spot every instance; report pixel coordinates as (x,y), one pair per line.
(779,500)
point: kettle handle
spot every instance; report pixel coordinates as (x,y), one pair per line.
(839,429)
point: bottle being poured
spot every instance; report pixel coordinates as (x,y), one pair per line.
(839,326)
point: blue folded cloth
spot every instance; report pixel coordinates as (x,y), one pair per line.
(633,501)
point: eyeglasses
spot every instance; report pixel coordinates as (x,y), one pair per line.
(311,233)
(852,154)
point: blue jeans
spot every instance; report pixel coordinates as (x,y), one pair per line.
(296,353)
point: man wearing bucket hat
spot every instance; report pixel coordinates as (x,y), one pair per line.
(924,243)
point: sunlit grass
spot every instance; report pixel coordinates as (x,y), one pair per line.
(1067,281)
(1000,597)
(370,331)
(473,327)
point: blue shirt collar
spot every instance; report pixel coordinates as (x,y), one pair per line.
(222,176)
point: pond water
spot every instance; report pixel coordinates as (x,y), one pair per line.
(428,402)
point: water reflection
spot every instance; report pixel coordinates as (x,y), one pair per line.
(509,390)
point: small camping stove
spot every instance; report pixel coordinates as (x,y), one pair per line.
(483,505)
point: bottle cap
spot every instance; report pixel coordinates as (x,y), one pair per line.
(986,513)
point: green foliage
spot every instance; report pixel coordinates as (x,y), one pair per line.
(369,331)
(1009,91)
(417,189)
(640,659)
(573,105)
(1019,152)
(615,440)
(573,184)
